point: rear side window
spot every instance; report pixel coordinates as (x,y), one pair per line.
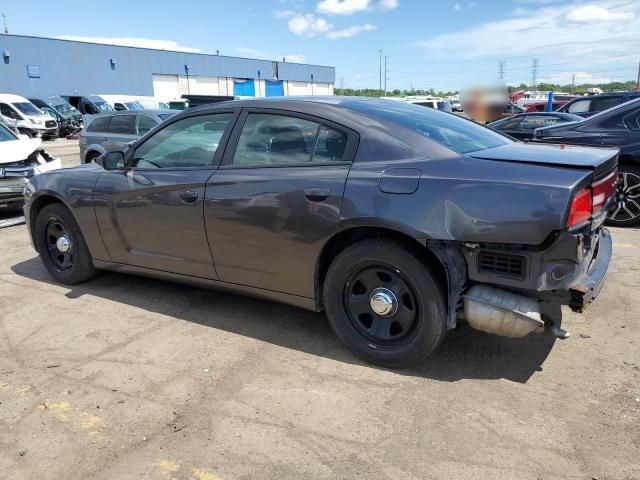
(580,106)
(509,123)
(123,124)
(456,133)
(145,124)
(532,122)
(600,104)
(99,124)
(632,121)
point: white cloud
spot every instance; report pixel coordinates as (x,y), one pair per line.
(342,7)
(565,78)
(388,4)
(594,14)
(134,42)
(351,31)
(285,13)
(308,25)
(457,7)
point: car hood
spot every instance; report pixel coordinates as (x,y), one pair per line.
(17,150)
(598,159)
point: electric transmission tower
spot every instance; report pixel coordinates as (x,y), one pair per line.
(534,73)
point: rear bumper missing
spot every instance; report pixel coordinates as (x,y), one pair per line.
(586,288)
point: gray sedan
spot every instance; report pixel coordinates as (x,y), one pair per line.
(115,131)
(395,219)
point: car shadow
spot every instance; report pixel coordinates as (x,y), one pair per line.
(466,353)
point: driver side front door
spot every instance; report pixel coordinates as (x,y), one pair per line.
(151,213)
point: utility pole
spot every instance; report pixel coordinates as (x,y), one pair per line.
(534,73)
(4,20)
(501,69)
(380,82)
(385,75)
(341,83)
(638,78)
(573,82)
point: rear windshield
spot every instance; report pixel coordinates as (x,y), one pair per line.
(27,108)
(456,133)
(104,107)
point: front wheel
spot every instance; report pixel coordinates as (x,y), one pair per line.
(384,303)
(61,245)
(625,211)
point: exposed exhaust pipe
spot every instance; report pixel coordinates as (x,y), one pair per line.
(502,313)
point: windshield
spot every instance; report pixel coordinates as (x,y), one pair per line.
(104,107)
(134,105)
(5,134)
(27,108)
(456,133)
(64,108)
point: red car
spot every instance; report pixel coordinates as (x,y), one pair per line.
(542,106)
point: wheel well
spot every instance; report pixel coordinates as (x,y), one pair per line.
(35,209)
(343,239)
(90,155)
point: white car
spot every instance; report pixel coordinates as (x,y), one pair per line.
(26,117)
(20,159)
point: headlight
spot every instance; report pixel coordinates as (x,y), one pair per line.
(29,190)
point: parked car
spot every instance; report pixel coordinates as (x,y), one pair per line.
(590,105)
(542,106)
(392,218)
(509,110)
(89,105)
(20,159)
(26,117)
(115,131)
(68,118)
(523,125)
(430,102)
(620,127)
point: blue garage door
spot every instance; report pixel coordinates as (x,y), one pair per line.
(244,87)
(274,88)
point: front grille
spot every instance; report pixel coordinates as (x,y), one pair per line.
(50,123)
(502,264)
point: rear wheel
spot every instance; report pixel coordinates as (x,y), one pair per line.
(61,245)
(625,211)
(384,303)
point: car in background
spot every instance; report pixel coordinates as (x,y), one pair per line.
(20,159)
(542,106)
(394,219)
(456,104)
(89,104)
(523,125)
(509,110)
(26,117)
(69,119)
(116,131)
(620,127)
(436,103)
(590,105)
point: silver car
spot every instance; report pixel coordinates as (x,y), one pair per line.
(115,131)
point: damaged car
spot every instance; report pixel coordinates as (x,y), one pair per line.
(20,159)
(398,221)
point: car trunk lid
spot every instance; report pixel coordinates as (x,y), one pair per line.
(598,159)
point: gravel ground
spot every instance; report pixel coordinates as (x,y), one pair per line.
(126,377)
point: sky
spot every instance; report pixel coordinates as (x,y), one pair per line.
(443,44)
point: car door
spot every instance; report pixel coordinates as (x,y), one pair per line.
(122,132)
(623,130)
(276,199)
(151,213)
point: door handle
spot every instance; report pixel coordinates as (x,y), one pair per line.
(189,196)
(316,194)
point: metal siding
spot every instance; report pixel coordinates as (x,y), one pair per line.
(68,67)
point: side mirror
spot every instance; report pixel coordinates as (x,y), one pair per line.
(111,161)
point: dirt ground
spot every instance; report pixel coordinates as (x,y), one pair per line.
(128,378)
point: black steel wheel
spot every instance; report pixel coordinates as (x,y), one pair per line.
(384,303)
(61,245)
(381,305)
(625,211)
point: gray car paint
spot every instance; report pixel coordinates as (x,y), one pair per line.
(265,237)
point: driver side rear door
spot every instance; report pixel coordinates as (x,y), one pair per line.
(151,213)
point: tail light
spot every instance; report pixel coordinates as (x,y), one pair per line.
(590,200)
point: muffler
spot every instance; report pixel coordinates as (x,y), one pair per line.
(502,313)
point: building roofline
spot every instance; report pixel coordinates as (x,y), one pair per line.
(163,50)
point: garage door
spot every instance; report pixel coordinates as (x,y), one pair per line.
(298,88)
(321,89)
(205,86)
(166,87)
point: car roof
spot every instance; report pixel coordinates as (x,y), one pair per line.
(150,111)
(10,98)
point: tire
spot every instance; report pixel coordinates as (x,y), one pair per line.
(374,267)
(69,268)
(91,156)
(625,212)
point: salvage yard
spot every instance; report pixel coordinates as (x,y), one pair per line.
(127,377)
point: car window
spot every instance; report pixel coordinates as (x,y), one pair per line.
(509,123)
(5,134)
(331,145)
(632,121)
(7,111)
(600,104)
(268,139)
(580,106)
(531,122)
(458,134)
(190,142)
(99,124)
(164,116)
(145,124)
(27,108)
(123,124)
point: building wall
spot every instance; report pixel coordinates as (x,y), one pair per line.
(43,66)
